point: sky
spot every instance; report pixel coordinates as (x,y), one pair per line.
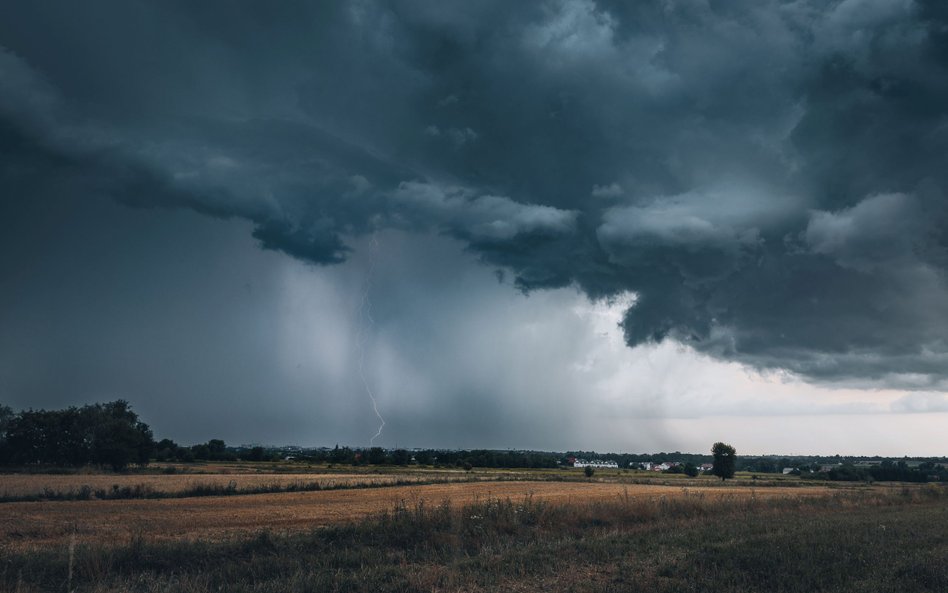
(552,225)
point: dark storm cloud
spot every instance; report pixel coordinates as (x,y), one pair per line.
(767,177)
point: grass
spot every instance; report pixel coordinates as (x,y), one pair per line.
(232,488)
(869,540)
(125,486)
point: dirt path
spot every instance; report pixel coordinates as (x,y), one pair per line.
(31,525)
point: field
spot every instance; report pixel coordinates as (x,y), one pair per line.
(501,531)
(29,525)
(27,485)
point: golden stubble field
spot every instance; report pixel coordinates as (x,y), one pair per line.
(30,484)
(33,525)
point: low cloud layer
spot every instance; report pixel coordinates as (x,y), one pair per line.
(766,177)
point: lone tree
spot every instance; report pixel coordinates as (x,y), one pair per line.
(724,455)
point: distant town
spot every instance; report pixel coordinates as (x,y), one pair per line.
(830,467)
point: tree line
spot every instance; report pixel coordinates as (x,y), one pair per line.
(483,458)
(112,435)
(109,434)
(886,471)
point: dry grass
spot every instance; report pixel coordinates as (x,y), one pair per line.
(202,479)
(865,540)
(35,484)
(32,525)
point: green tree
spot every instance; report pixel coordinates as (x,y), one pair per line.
(341,455)
(106,434)
(200,451)
(119,438)
(213,450)
(401,457)
(119,444)
(166,450)
(6,419)
(377,456)
(589,471)
(724,457)
(216,449)
(255,454)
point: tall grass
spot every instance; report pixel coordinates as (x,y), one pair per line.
(878,541)
(234,488)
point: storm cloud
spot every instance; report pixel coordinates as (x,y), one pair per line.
(767,178)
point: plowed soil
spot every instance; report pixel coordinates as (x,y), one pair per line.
(31,525)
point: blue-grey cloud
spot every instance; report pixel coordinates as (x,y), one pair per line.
(767,177)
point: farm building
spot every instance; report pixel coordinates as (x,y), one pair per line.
(596,464)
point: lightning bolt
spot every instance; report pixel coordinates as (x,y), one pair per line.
(365,322)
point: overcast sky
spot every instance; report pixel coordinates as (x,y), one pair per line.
(627,226)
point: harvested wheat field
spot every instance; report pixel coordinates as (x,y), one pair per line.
(36,484)
(31,525)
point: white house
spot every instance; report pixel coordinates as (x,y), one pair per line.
(596,464)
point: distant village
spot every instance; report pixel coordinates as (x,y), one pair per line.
(639,465)
(830,467)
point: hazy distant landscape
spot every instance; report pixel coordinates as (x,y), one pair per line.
(209,517)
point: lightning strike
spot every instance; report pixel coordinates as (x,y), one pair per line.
(365,322)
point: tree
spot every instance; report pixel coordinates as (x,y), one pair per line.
(216,449)
(167,450)
(377,456)
(119,444)
(401,457)
(119,438)
(106,434)
(213,450)
(6,419)
(255,454)
(589,471)
(341,455)
(724,456)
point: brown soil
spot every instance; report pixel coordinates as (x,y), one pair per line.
(31,525)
